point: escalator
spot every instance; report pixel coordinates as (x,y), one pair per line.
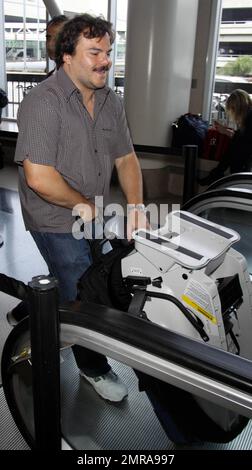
(228,203)
(131,342)
(220,377)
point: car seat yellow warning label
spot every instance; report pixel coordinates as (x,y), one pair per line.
(199,309)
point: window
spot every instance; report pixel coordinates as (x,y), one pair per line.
(94,7)
(24,33)
(25,42)
(234,59)
(25,23)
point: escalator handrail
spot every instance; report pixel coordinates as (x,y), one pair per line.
(234,178)
(219,193)
(154,339)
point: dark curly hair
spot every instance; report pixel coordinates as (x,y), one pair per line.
(86,25)
(56,20)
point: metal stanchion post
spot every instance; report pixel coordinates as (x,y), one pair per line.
(190,154)
(44,327)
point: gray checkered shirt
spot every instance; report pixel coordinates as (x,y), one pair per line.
(56,129)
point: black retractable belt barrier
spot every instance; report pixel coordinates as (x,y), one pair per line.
(44,327)
(190,154)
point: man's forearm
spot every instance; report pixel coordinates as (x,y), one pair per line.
(130,178)
(48,183)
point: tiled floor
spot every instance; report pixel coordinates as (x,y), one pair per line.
(19,256)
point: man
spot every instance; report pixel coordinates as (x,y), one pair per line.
(72,130)
(53,28)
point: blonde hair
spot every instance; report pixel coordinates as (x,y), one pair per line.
(238,105)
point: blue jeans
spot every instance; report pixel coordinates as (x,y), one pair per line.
(67,259)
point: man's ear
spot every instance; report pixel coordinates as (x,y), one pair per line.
(67,59)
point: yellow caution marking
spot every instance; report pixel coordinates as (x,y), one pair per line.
(199,309)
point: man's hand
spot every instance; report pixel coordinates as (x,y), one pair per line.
(86,211)
(136,219)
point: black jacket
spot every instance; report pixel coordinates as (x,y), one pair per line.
(239,154)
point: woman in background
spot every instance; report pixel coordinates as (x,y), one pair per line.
(239,154)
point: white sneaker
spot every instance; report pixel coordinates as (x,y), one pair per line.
(108,386)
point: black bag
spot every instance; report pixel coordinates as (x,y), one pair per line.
(181,417)
(189,129)
(3,98)
(105,272)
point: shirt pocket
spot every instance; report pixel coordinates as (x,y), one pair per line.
(109,136)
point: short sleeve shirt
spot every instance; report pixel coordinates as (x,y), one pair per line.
(55,129)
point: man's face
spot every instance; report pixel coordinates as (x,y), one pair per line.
(51,38)
(88,67)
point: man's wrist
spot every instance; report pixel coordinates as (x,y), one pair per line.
(136,207)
